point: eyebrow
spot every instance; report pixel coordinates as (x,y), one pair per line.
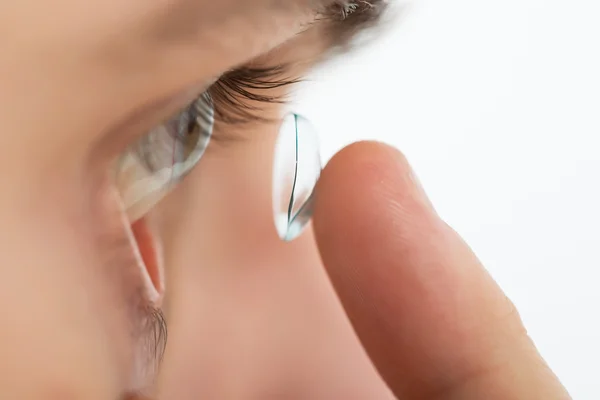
(346,17)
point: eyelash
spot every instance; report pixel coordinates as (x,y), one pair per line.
(237,94)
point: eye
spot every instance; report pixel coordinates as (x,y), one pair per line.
(149,168)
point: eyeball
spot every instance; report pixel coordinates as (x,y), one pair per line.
(150,168)
(296,170)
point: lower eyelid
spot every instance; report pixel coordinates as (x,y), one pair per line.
(144,323)
(147,326)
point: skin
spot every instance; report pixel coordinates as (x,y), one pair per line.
(249,316)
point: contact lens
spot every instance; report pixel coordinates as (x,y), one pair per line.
(153,165)
(296,170)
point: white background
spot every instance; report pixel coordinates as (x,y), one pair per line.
(497,106)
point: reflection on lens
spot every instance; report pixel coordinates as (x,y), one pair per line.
(296,170)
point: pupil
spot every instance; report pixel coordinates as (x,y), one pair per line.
(191,126)
(192,135)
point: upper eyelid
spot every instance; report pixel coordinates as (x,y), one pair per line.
(233,94)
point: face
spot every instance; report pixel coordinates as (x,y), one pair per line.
(100,250)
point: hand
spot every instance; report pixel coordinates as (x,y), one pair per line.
(431,318)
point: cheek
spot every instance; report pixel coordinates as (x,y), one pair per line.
(63,333)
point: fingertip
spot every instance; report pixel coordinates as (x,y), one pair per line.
(368,199)
(365,181)
(365,160)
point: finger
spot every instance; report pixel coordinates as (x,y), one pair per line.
(429,315)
